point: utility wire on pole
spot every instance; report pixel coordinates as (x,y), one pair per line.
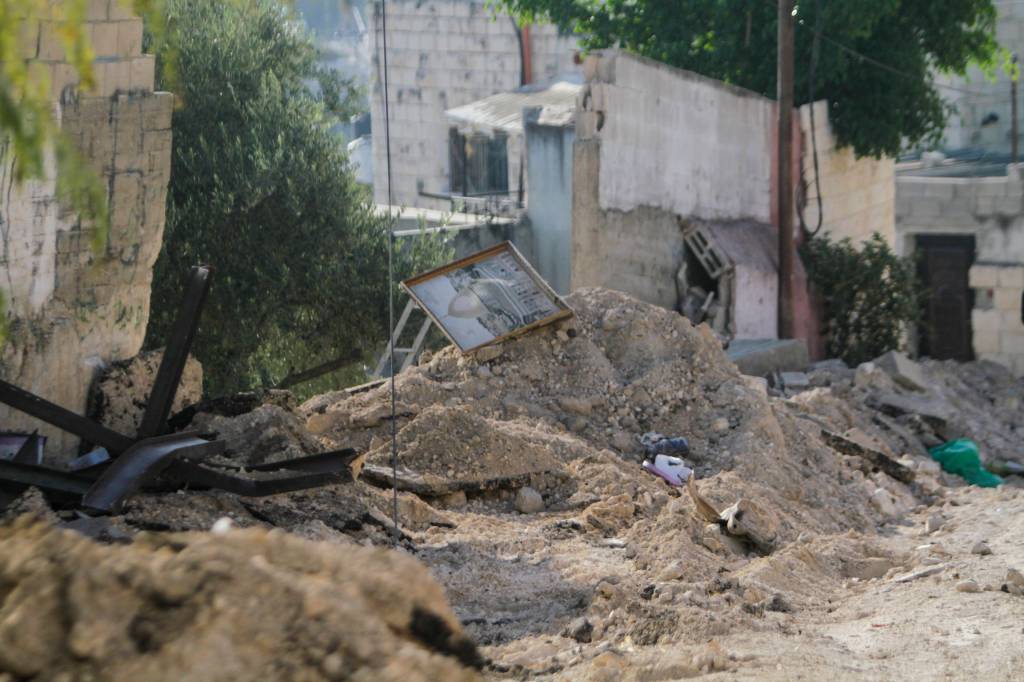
(787,327)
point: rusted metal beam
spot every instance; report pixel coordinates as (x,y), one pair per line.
(44,478)
(140,464)
(168,376)
(260,485)
(63,419)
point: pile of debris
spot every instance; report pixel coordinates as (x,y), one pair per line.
(233,604)
(521,484)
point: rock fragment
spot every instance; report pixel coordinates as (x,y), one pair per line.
(529,501)
(981,547)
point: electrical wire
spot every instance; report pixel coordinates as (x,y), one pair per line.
(815,52)
(391,281)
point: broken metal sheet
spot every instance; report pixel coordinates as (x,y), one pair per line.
(260,484)
(168,376)
(142,463)
(322,463)
(63,419)
(44,478)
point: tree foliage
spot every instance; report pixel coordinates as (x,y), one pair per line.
(870,295)
(261,189)
(874,107)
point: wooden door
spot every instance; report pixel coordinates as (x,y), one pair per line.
(943,265)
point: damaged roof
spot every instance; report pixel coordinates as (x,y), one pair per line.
(504,111)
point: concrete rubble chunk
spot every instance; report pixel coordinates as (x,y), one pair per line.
(981,547)
(920,573)
(795,381)
(934,523)
(759,357)
(529,501)
(903,370)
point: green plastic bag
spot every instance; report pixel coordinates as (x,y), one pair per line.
(960,457)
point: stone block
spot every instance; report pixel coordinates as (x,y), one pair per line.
(1011,343)
(28,39)
(104,39)
(1011,320)
(985,341)
(50,46)
(1008,299)
(96,10)
(986,320)
(129,38)
(119,10)
(903,370)
(983,276)
(143,73)
(1011,276)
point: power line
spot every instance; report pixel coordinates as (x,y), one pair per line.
(391,280)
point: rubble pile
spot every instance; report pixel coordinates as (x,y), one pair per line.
(521,489)
(236,604)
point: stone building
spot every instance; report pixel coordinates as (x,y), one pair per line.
(71,310)
(443,54)
(960,212)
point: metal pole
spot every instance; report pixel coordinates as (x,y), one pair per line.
(785,200)
(1015,125)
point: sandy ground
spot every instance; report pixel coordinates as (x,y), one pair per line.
(853,629)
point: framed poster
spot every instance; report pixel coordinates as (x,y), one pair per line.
(487,297)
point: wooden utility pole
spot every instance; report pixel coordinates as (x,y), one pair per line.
(787,327)
(1014,124)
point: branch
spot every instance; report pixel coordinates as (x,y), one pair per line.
(312,373)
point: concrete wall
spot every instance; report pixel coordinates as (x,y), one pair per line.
(69,309)
(977,96)
(549,151)
(858,196)
(675,140)
(656,145)
(443,54)
(992,210)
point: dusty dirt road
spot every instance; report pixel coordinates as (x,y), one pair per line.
(837,628)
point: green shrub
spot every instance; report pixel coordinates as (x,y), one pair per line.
(261,189)
(870,295)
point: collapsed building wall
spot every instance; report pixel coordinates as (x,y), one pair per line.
(657,146)
(72,310)
(443,54)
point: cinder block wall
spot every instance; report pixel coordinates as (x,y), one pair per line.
(655,144)
(443,54)
(72,310)
(858,196)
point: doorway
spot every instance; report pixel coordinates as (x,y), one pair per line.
(943,264)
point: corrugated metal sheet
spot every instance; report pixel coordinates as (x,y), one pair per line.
(504,111)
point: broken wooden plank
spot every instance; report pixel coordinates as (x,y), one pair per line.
(877,459)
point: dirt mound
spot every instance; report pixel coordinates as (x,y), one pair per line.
(245,604)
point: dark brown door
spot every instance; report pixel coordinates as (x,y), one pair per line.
(943,265)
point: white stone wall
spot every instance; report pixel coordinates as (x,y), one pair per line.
(443,54)
(677,141)
(996,318)
(70,309)
(858,196)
